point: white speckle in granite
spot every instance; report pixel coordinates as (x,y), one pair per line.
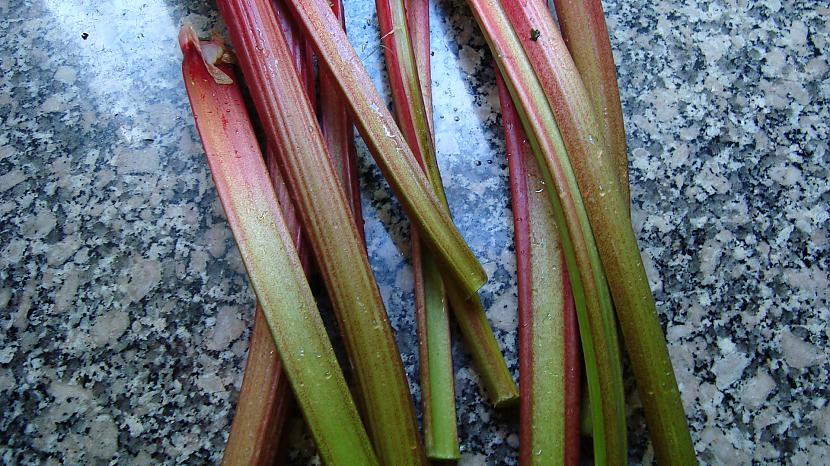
(756,389)
(54,104)
(5,296)
(66,74)
(40,225)
(799,353)
(63,250)
(502,313)
(404,278)
(11,179)
(652,272)
(471,459)
(144,275)
(821,419)
(210,383)
(217,240)
(729,368)
(65,296)
(721,446)
(7,354)
(108,328)
(133,161)
(785,174)
(228,328)
(102,440)
(513,441)
(198,261)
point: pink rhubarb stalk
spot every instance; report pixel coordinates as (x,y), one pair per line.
(265,394)
(267,250)
(549,359)
(431,313)
(264,400)
(290,122)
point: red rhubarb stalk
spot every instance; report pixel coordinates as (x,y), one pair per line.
(290,122)
(598,180)
(267,250)
(338,130)
(583,27)
(263,403)
(387,144)
(549,360)
(586,272)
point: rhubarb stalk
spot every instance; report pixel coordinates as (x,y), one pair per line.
(387,144)
(598,180)
(584,267)
(265,394)
(267,251)
(549,361)
(431,313)
(339,132)
(290,122)
(264,399)
(407,94)
(582,23)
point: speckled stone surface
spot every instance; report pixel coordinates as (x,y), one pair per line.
(126,310)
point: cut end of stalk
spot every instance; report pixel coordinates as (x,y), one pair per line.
(507,400)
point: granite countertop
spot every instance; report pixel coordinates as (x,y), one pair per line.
(126,311)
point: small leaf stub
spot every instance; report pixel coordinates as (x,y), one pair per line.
(212,52)
(534,34)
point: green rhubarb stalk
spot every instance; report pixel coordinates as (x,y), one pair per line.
(407,94)
(267,251)
(583,28)
(598,180)
(584,266)
(387,144)
(549,360)
(265,394)
(431,313)
(339,132)
(290,122)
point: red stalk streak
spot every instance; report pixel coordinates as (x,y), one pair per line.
(519,154)
(417,18)
(387,145)
(265,395)
(404,80)
(405,30)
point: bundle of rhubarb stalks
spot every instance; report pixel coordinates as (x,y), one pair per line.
(285,172)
